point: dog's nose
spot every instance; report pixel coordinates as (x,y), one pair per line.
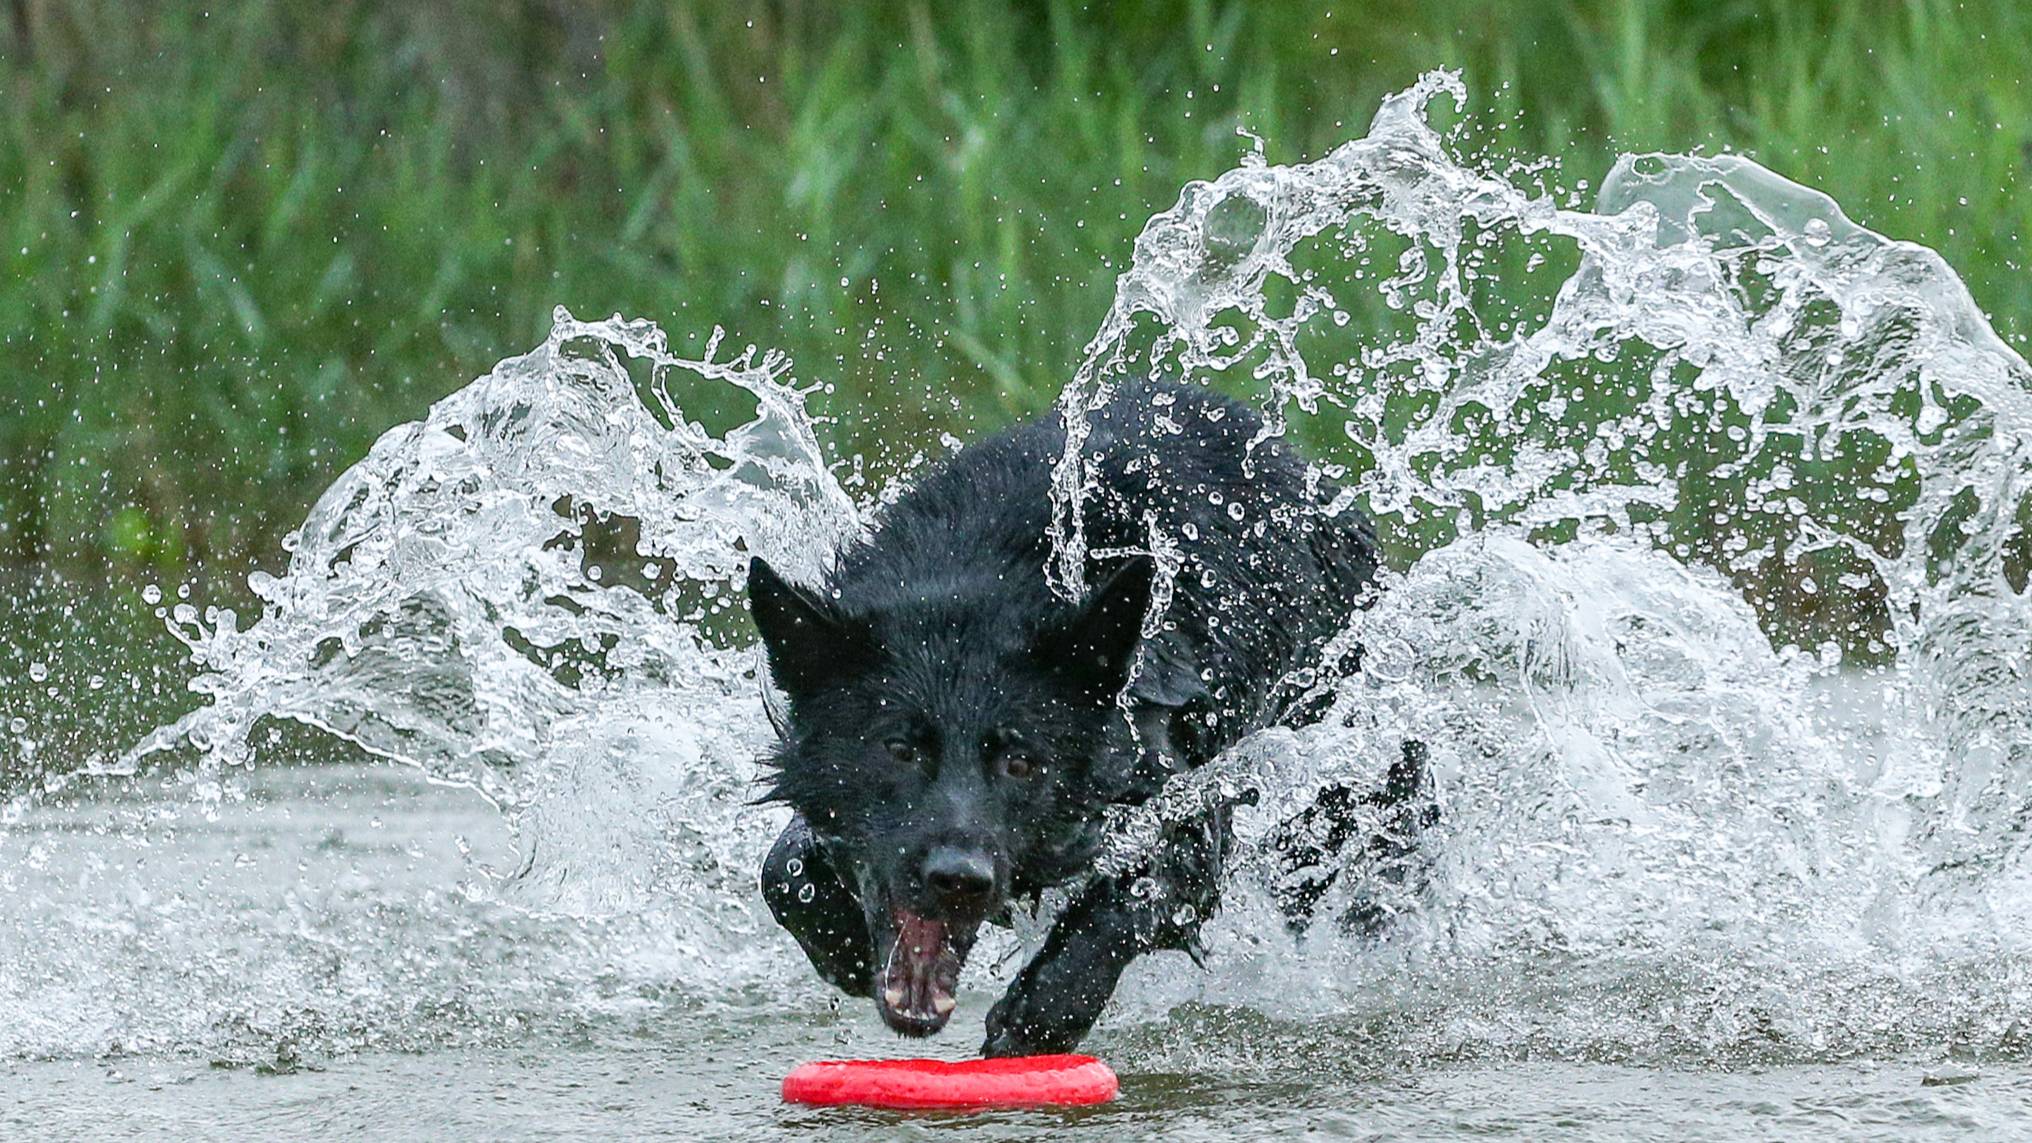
(959,878)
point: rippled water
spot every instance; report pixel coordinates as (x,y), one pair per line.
(304,965)
(1696,872)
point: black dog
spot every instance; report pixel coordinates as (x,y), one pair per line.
(956,731)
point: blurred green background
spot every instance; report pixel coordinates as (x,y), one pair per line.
(241,240)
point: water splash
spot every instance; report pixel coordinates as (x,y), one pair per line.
(1602,429)
(520,593)
(1632,779)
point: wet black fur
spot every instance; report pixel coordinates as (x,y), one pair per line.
(942,696)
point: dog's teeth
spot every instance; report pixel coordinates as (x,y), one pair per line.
(944,1005)
(893,997)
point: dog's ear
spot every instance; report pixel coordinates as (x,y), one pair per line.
(1098,642)
(809,643)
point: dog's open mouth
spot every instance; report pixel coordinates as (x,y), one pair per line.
(921,975)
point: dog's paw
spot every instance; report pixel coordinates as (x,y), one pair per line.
(1019,1026)
(1052,1004)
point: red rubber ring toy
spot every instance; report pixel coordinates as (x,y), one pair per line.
(1015,1081)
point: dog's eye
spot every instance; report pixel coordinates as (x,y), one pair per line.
(902,751)
(1007,754)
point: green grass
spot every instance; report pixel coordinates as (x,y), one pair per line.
(236,247)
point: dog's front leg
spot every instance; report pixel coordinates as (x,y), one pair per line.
(1055,1000)
(811,899)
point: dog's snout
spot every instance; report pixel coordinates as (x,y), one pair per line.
(959,878)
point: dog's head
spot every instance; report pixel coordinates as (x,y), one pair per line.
(950,750)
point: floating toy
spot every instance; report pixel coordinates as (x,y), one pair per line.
(1015,1081)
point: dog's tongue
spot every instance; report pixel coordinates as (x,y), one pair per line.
(922,975)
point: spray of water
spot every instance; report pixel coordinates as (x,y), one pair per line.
(1658,831)
(448,605)
(1634,783)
